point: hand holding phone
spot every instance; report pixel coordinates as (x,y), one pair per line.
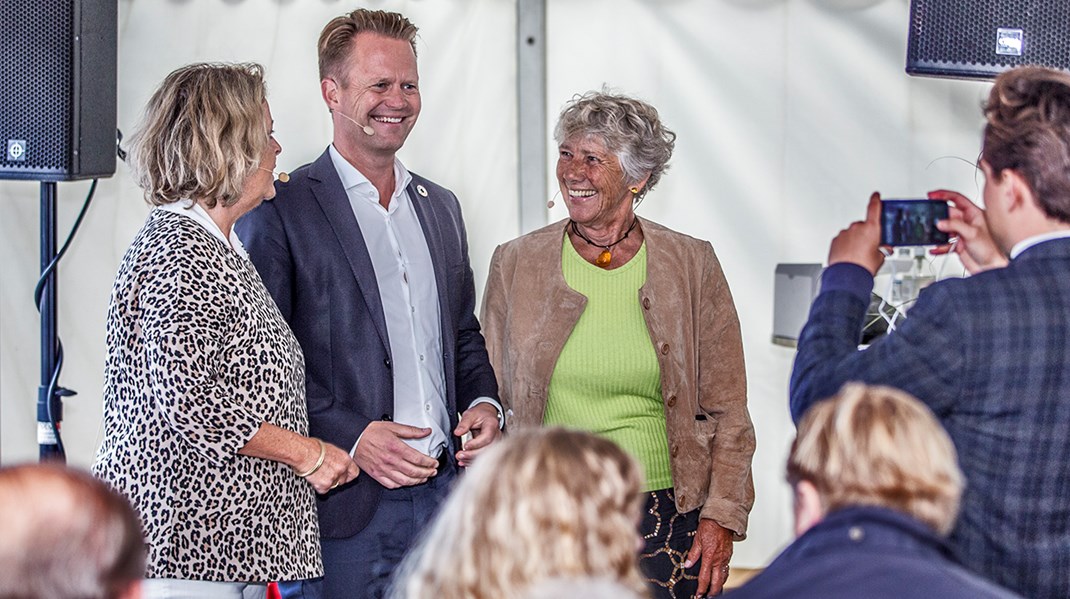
(913,222)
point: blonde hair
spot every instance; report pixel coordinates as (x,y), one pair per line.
(878,446)
(336,40)
(541,504)
(202,134)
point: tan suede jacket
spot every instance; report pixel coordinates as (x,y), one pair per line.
(529,312)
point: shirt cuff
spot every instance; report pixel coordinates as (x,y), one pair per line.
(849,277)
(353,452)
(491,401)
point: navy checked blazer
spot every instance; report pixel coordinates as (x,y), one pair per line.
(989,354)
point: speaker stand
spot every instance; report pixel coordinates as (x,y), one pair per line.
(49,402)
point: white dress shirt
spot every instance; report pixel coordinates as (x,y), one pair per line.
(409,294)
(1029,242)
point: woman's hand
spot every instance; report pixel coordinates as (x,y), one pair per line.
(337,468)
(712,549)
(324,465)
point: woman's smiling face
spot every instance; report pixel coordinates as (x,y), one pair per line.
(592,182)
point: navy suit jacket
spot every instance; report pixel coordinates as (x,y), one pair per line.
(867,552)
(990,355)
(308,248)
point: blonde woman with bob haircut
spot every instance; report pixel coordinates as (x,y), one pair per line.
(541,505)
(205,424)
(877,488)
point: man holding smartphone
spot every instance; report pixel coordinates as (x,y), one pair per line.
(989,354)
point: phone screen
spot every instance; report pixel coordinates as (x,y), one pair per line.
(912,222)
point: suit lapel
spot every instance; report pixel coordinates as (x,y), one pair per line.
(331,196)
(425,212)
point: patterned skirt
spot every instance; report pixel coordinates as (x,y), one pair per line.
(667,536)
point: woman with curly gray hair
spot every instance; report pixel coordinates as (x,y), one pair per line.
(614,324)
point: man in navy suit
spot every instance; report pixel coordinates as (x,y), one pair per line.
(989,354)
(369,264)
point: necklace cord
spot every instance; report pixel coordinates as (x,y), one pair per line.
(576,230)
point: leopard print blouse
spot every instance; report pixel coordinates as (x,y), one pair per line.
(198,357)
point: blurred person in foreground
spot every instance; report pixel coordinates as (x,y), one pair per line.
(615,324)
(877,488)
(204,415)
(66,535)
(541,505)
(988,354)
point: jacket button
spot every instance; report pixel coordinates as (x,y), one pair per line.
(856,534)
(646,303)
(664,349)
(672,400)
(675,450)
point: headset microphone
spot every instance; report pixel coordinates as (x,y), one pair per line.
(281,175)
(366,128)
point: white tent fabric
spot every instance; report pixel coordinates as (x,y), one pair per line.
(789,113)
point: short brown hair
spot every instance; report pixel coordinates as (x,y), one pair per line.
(1028,131)
(66,535)
(873,445)
(336,40)
(202,134)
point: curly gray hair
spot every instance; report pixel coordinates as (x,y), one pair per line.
(630,128)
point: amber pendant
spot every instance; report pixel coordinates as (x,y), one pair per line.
(603,259)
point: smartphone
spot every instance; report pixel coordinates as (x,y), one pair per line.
(912,222)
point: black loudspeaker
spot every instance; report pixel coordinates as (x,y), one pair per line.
(978,39)
(58,89)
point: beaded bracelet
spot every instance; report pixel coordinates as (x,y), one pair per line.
(319,462)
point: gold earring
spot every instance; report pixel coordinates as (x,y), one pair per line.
(634,190)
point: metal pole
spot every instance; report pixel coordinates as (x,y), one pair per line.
(531,113)
(48,399)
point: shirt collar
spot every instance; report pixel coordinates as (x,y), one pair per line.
(352,178)
(1029,242)
(199,215)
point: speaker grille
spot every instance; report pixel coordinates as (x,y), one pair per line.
(959,38)
(36,72)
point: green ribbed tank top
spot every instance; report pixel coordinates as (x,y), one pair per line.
(607,379)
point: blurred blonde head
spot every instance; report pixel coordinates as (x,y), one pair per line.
(882,447)
(202,134)
(542,504)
